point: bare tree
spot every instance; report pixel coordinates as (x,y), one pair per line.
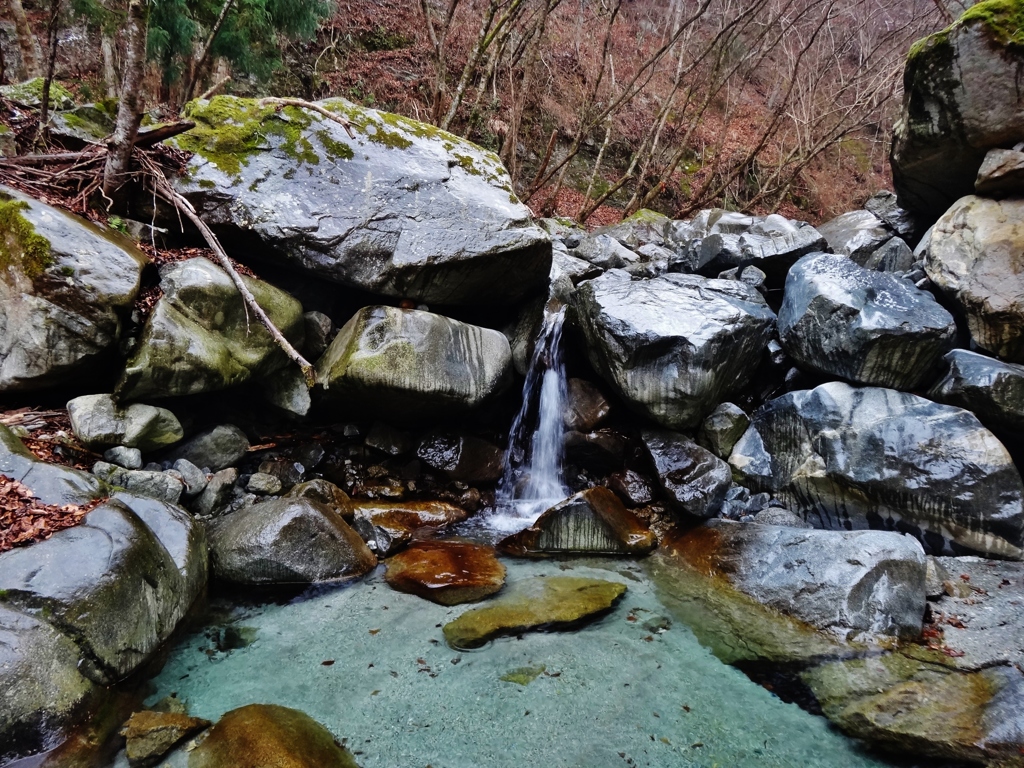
(132,103)
(28,45)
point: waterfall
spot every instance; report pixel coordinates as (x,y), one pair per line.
(532,481)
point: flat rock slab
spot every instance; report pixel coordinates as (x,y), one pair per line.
(593,522)
(265,735)
(446,572)
(151,735)
(553,602)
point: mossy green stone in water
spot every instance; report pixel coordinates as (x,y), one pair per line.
(20,244)
(523,675)
(554,602)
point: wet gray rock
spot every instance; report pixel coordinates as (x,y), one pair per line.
(673,347)
(286,541)
(216,494)
(318,333)
(66,280)
(992,390)
(885,206)
(604,252)
(154,485)
(857,234)
(408,363)
(288,472)
(847,458)
(848,583)
(1001,174)
(722,428)
(585,406)
(99,422)
(214,449)
(894,256)
(287,389)
(780,516)
(402,210)
(601,451)
(960,99)
(693,480)
(192,476)
(50,483)
(645,227)
(563,264)
(461,457)
(867,327)
(200,337)
(118,583)
(593,521)
(975,255)
(386,439)
(632,488)
(129,458)
(260,482)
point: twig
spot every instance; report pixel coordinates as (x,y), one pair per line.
(303,104)
(214,88)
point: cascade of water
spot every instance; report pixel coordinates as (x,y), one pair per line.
(532,481)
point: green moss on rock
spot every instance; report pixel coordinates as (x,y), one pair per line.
(20,244)
(1003,18)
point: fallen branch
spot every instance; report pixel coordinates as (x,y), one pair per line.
(162,132)
(214,88)
(303,104)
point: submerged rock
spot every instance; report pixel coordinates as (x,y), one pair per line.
(403,210)
(286,541)
(65,282)
(849,583)
(593,521)
(446,572)
(692,478)
(672,346)
(554,602)
(265,735)
(992,390)
(200,337)
(866,327)
(976,257)
(151,735)
(848,458)
(960,99)
(407,363)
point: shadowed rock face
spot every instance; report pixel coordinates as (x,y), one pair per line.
(672,346)
(848,458)
(694,481)
(264,735)
(64,281)
(976,257)
(446,572)
(404,362)
(961,98)
(868,583)
(867,327)
(593,521)
(992,390)
(402,210)
(554,602)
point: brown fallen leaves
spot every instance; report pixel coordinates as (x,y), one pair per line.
(24,519)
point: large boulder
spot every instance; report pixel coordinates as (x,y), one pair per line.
(118,584)
(99,422)
(402,209)
(847,458)
(673,347)
(857,234)
(286,541)
(693,480)
(961,98)
(975,255)
(50,483)
(200,336)
(992,390)
(848,583)
(408,363)
(867,327)
(64,284)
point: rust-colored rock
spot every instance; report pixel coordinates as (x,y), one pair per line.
(151,735)
(388,526)
(446,572)
(593,522)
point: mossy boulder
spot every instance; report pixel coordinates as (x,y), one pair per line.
(99,422)
(85,124)
(403,209)
(64,284)
(961,98)
(30,94)
(269,736)
(553,602)
(396,363)
(201,338)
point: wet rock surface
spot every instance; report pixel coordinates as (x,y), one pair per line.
(591,522)
(975,256)
(867,327)
(855,584)
(402,210)
(876,458)
(585,406)
(693,480)
(672,346)
(286,541)
(151,735)
(992,390)
(388,526)
(100,423)
(463,458)
(398,362)
(215,449)
(722,428)
(555,602)
(446,572)
(50,483)
(856,235)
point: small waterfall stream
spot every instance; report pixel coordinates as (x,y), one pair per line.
(532,481)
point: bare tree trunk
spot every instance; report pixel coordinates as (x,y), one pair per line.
(132,104)
(437,46)
(51,63)
(27,42)
(109,66)
(197,69)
